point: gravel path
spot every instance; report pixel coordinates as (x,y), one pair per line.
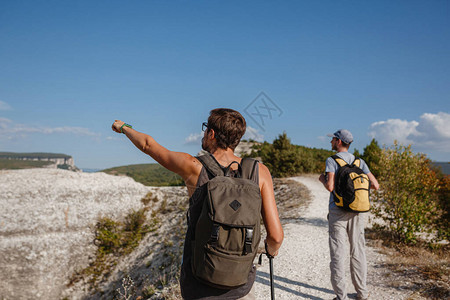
(301,270)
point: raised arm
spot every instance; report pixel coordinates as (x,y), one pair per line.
(269,212)
(181,163)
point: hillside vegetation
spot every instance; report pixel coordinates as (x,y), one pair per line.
(15,164)
(284,159)
(38,155)
(148,174)
(17,160)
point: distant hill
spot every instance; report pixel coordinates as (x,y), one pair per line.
(15,164)
(33,155)
(16,160)
(148,174)
(444,166)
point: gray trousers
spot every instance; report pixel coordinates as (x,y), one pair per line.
(347,228)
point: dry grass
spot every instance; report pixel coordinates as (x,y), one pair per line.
(291,196)
(427,269)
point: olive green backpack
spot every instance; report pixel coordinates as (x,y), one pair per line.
(227,232)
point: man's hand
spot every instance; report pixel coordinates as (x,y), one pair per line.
(323,178)
(116,125)
(327,181)
(272,251)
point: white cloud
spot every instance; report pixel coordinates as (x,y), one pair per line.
(253,134)
(194,139)
(4,106)
(323,138)
(113,138)
(11,130)
(431,132)
(70,130)
(394,129)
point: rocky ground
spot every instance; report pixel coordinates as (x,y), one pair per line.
(301,270)
(47,223)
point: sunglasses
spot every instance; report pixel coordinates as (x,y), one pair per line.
(204,126)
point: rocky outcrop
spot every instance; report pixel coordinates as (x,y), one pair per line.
(46,225)
(244,148)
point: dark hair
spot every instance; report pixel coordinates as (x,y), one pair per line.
(229,127)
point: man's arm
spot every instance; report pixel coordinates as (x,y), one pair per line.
(373,181)
(269,212)
(181,163)
(327,181)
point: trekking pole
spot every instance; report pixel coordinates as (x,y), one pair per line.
(272,289)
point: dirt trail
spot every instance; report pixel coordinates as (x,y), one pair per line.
(301,270)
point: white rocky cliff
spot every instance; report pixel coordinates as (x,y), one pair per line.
(46,221)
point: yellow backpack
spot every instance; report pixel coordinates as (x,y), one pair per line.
(351,186)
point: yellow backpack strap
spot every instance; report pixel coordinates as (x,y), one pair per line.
(339,160)
(357,162)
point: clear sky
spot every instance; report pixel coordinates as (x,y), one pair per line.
(69,68)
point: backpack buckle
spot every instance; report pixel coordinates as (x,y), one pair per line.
(248,240)
(214,234)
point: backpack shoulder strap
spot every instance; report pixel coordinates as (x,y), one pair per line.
(250,169)
(339,160)
(211,164)
(357,162)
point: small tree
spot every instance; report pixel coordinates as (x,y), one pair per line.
(282,158)
(372,156)
(407,200)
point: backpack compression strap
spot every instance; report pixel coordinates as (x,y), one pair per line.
(211,164)
(341,162)
(250,169)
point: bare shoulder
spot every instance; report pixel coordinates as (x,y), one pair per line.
(194,164)
(264,175)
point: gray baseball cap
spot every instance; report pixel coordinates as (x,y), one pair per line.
(343,134)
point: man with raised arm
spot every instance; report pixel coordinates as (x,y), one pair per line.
(346,226)
(222,133)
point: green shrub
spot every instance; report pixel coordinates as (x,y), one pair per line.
(113,239)
(443,225)
(372,155)
(408,198)
(108,235)
(284,159)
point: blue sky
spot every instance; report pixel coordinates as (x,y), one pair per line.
(69,68)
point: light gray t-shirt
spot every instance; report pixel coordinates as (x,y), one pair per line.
(332,167)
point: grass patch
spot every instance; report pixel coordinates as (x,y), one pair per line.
(113,240)
(426,266)
(149,198)
(290,196)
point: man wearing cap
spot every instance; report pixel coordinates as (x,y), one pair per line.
(344,225)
